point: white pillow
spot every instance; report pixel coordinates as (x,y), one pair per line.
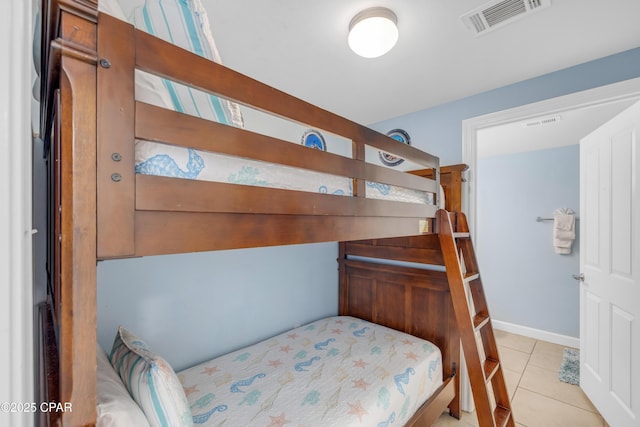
(184,23)
(151,381)
(115,406)
(149,88)
(112,7)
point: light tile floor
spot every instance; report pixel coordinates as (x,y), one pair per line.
(538,398)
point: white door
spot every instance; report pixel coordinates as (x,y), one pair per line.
(610,263)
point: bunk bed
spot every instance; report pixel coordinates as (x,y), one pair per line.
(100,208)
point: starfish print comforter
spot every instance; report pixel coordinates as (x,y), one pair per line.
(339,371)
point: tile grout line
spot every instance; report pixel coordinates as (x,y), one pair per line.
(555,371)
(519,386)
(544,395)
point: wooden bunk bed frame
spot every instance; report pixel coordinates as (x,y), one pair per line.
(100,209)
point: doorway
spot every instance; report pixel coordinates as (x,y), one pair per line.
(625,91)
(622,92)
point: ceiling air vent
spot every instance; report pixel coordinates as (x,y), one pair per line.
(543,121)
(498,13)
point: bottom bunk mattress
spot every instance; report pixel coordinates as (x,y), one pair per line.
(339,371)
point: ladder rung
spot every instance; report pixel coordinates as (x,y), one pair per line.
(470,277)
(502,416)
(480,320)
(461,235)
(490,368)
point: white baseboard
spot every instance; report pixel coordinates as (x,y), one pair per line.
(537,334)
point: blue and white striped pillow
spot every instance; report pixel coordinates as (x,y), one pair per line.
(184,23)
(151,381)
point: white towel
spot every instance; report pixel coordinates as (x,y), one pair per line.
(564,233)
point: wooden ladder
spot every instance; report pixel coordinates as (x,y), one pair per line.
(472,314)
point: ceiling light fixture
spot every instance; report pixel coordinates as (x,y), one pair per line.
(373,32)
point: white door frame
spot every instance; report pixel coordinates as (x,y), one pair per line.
(615,92)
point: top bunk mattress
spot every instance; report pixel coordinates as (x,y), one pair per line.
(339,371)
(177,162)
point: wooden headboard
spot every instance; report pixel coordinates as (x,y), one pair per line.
(401,283)
(451,179)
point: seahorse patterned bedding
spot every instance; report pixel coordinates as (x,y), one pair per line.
(338,371)
(186,24)
(165,160)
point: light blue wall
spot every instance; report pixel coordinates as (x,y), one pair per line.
(438,130)
(526,282)
(192,307)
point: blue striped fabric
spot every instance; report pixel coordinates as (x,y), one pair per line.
(184,23)
(151,382)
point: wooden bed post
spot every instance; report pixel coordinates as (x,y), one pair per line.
(115,139)
(78,268)
(70,66)
(451,180)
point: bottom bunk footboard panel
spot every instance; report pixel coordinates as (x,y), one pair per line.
(433,408)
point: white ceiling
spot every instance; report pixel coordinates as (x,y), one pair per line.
(300,46)
(547,131)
